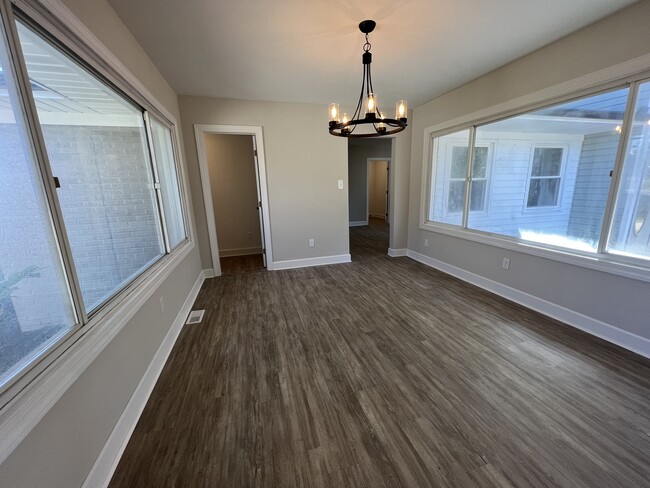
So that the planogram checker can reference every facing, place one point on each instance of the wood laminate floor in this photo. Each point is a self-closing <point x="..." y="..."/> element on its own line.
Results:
<point x="385" y="373"/>
<point x="252" y="263"/>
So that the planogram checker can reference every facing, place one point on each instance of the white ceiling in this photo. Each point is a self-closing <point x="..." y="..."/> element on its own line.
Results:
<point x="310" y="50"/>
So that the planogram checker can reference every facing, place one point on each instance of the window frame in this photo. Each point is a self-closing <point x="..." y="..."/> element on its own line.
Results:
<point x="624" y="75"/>
<point x="30" y="392"/>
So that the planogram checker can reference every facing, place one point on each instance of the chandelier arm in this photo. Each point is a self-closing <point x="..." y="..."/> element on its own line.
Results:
<point x="357" y="111"/>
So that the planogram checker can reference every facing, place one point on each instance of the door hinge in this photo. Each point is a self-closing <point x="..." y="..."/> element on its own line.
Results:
<point x="57" y="183"/>
<point x="255" y="152"/>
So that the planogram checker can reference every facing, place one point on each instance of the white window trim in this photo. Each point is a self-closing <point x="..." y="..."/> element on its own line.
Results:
<point x="28" y="400"/>
<point x="611" y="77"/>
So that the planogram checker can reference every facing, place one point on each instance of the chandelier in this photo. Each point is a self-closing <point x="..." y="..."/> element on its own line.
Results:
<point x="375" y="122"/>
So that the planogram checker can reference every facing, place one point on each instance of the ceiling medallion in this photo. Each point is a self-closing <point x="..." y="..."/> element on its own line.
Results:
<point x="376" y="123"/>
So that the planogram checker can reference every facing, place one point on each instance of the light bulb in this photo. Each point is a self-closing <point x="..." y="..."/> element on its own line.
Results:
<point x="401" y="109"/>
<point x="345" y="119"/>
<point x="372" y="104"/>
<point x="333" y="110"/>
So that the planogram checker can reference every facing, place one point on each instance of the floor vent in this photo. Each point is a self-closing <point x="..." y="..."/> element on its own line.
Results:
<point x="196" y="316"/>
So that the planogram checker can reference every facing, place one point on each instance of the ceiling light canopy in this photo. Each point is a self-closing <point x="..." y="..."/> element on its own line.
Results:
<point x="375" y="123"/>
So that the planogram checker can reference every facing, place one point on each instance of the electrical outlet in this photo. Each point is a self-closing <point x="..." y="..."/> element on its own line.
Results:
<point x="426" y="242"/>
<point x="505" y="263"/>
<point x="162" y="305"/>
<point x="312" y="242"/>
<point x="340" y="184"/>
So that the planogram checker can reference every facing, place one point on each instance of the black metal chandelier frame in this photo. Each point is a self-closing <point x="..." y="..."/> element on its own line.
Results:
<point x="382" y="125"/>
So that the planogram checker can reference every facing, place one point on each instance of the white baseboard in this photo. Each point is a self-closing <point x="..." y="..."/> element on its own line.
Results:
<point x="397" y="253"/>
<point x="105" y="465"/>
<point x="244" y="251"/>
<point x="378" y="216"/>
<point x="208" y="273"/>
<point x="303" y="263"/>
<point x="608" y="332"/>
<point x="358" y="223"/>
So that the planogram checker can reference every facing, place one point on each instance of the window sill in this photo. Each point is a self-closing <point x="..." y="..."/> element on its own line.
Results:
<point x="28" y="400"/>
<point x="595" y="262"/>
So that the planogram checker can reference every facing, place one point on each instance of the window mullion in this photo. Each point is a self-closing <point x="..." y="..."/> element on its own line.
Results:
<point x="156" y="179"/>
<point x="615" y="182"/>
<point x="468" y="178"/>
<point x="37" y="145"/>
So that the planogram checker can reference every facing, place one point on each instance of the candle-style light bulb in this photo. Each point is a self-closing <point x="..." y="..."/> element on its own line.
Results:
<point x="333" y="111"/>
<point x="381" y="127"/>
<point x="344" y="121"/>
<point x="401" y="109"/>
<point x="371" y="105"/>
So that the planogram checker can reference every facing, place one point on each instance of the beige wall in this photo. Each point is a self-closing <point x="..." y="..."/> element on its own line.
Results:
<point x="615" y="300"/>
<point x="377" y="181"/>
<point x="62" y="448"/>
<point x="231" y="164"/>
<point x="303" y="164"/>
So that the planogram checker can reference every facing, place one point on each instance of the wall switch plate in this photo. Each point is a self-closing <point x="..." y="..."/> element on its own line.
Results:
<point x="506" y="263"/>
<point x="340" y="184"/>
<point x="426" y="242"/>
<point x="312" y="242"/>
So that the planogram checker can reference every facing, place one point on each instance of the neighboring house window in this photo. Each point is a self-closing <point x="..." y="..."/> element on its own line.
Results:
<point x="68" y="248"/>
<point x="545" y="176"/>
<point x="478" y="193"/>
<point x="457" y="174"/>
<point x="449" y="169"/>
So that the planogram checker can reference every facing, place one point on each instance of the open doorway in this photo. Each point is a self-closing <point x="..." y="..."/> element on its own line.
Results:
<point x="233" y="178"/>
<point x="369" y="197"/>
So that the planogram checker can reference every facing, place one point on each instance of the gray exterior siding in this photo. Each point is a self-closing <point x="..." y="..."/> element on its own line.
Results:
<point x="107" y="201"/>
<point x="592" y="186"/>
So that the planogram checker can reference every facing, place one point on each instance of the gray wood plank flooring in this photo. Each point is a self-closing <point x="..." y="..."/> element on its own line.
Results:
<point x="386" y="373"/>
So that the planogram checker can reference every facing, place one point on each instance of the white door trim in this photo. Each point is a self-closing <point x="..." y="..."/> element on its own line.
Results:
<point x="246" y="130"/>
<point x="368" y="161"/>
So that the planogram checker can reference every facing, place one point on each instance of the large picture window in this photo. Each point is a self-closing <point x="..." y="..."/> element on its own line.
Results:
<point x="549" y="176"/>
<point x="97" y="148"/>
<point x="35" y="305"/>
<point x="89" y="196"/>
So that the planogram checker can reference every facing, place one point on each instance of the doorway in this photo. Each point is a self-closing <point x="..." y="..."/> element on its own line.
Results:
<point x="369" y="182"/>
<point x="233" y="177"/>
